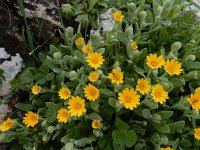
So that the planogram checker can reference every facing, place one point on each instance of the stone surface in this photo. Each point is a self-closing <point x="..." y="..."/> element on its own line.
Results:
<point x="107" y="22"/>
<point x="10" y="67"/>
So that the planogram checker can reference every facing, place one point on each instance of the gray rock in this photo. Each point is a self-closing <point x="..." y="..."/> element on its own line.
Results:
<point x="11" y="68"/>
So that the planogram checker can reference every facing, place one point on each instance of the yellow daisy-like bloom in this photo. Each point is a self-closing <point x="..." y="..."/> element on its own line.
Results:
<point x="154" y="61"/>
<point x="95" y="59"/>
<point x="91" y="92"/>
<point x="31" y="119"/>
<point x="63" y="115"/>
<point x="167" y="148"/>
<point x="64" y="93"/>
<point x="173" y="67"/>
<point x="143" y="86"/>
<point x="197" y="90"/>
<point x="94" y="76"/>
<point x="134" y="45"/>
<point x="79" y="41"/>
<point x="116" y="76"/>
<point x="36" y="89"/>
<point x="129" y="98"/>
<point x="159" y="94"/>
<point x="76" y="106"/>
<point x="197" y="133"/>
<point x="117" y="15"/>
<point x="96" y="124"/>
<point x="87" y="48"/>
<point x="6" y="125"/>
<point x="194" y="100"/>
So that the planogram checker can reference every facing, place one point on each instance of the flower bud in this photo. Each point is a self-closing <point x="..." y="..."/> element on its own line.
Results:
<point x="190" y="58"/>
<point x="132" y="8"/>
<point x="129" y="32"/>
<point x="73" y="75"/>
<point x="45" y="138"/>
<point x="51" y="129"/>
<point x="43" y="123"/>
<point x="69" y="32"/>
<point x="184" y="5"/>
<point x="165" y="85"/>
<point x="175" y="47"/>
<point x="157" y="10"/>
<point x="67" y="10"/>
<point x="142" y="15"/>
<point x="57" y="55"/>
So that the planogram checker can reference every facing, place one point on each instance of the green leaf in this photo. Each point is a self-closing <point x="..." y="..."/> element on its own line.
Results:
<point x="102" y="142"/>
<point x="150" y="104"/>
<point x="192" y="65"/>
<point x="94" y="116"/>
<point x="107" y="92"/>
<point x="127" y="137"/>
<point x="121" y="36"/>
<point x="185" y="143"/>
<point x="91" y="4"/>
<point x="163" y="127"/>
<point x="121" y="124"/>
<point x="166" y="114"/>
<point x="146" y="114"/>
<point x="23" y="106"/>
<point x="112" y="102"/>
<point x="177" y="126"/>
<point x="178" y="82"/>
<point x="95" y="105"/>
<point x="52" y="108"/>
<point x="82" y="142"/>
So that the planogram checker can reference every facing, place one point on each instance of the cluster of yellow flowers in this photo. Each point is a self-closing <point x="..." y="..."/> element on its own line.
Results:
<point x="128" y="97"/>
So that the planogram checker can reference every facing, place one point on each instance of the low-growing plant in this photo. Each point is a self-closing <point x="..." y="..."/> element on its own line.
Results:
<point x="135" y="87"/>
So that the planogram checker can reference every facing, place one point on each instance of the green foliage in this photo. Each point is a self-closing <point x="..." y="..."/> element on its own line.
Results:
<point x="156" y="27"/>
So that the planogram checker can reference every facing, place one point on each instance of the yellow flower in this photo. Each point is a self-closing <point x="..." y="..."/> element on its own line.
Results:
<point x="143" y="86"/>
<point x="197" y="133"/>
<point x="64" y="93"/>
<point x="118" y="16"/>
<point x="167" y="148"/>
<point x="159" y="94"/>
<point x="36" y="89"/>
<point x="79" y="41"/>
<point x="93" y="76"/>
<point x="91" y="92"/>
<point x="31" y="119"/>
<point x="87" y="48"/>
<point x="129" y="98"/>
<point x="95" y="59"/>
<point x="6" y="125"/>
<point x="173" y="67"/>
<point x="63" y="115"/>
<point x="197" y="90"/>
<point x="116" y="76"/>
<point x="76" y="106"/>
<point x="134" y="45"/>
<point x="194" y="100"/>
<point x="96" y="124"/>
<point x="155" y="62"/>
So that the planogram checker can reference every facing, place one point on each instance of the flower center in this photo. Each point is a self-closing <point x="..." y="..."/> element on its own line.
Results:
<point x="128" y="99"/>
<point x="158" y="94"/>
<point x="116" y="76"/>
<point x="66" y="93"/>
<point x="141" y="86"/>
<point x="93" y="92"/>
<point x="33" y="118"/>
<point x="77" y="106"/>
<point x="154" y="63"/>
<point x="95" y="60"/>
